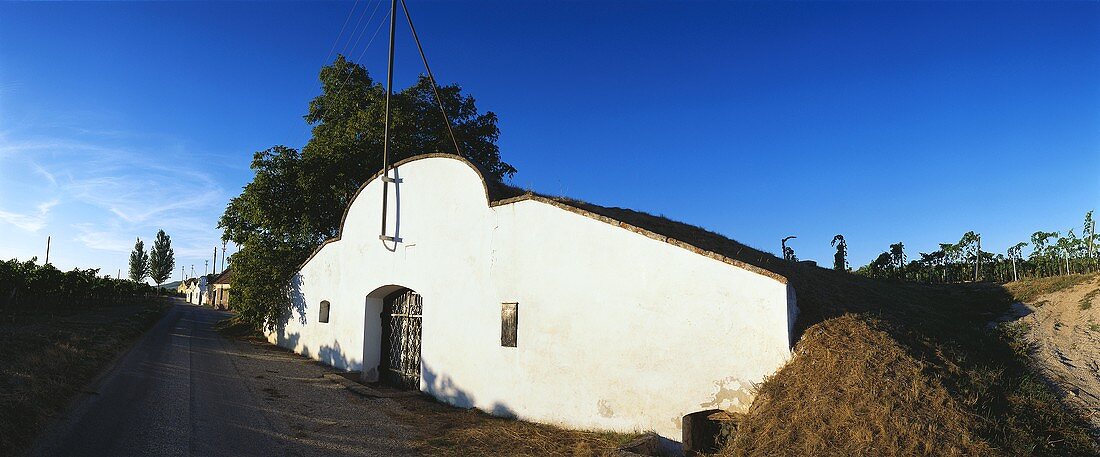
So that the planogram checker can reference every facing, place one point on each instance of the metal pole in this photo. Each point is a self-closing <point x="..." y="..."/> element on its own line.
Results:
<point x="386" y="131"/>
<point x="48" y="250"/>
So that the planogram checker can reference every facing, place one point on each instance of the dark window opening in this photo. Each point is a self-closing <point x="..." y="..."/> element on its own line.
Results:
<point x="509" y="324"/>
<point x="324" y="312"/>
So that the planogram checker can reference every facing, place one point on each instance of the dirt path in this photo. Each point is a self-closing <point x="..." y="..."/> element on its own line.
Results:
<point x="185" y="390"/>
<point x="1067" y="345"/>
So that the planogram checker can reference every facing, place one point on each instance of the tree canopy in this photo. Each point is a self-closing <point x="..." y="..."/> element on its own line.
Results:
<point x="297" y="198"/>
<point x="162" y="259"/>
<point x="139" y="262"/>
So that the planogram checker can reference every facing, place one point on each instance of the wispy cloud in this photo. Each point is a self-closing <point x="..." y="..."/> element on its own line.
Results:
<point x="32" y="222"/>
<point x="114" y="187"/>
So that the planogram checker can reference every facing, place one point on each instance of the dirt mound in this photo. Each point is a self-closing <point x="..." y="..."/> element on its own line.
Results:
<point x="1063" y="332"/>
<point x="853" y="390"/>
<point x="893" y="368"/>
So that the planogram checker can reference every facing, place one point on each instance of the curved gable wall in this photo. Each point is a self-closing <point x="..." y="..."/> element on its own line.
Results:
<point x="617" y="330"/>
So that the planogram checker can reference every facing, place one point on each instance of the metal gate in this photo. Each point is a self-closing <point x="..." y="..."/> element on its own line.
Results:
<point x="401" y="318"/>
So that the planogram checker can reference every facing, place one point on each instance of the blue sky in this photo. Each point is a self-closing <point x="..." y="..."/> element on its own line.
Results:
<point x="910" y="122"/>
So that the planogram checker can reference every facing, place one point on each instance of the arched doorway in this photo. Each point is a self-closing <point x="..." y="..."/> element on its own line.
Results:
<point x="400" y="346"/>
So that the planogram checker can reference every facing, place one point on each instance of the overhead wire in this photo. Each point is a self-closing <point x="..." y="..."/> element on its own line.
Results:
<point x="431" y="78"/>
<point x="341" y="34"/>
<point x="365" y="26"/>
<point x="344" y="50"/>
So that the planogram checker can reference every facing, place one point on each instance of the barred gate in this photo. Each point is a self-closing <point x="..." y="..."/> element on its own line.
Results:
<point x="401" y="319"/>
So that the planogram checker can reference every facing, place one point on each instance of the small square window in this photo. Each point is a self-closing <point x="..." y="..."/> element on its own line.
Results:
<point x="509" y="324"/>
<point x="324" y="312"/>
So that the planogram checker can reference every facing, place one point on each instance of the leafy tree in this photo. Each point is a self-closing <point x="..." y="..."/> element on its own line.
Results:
<point x="139" y="262"/>
<point x="788" y="252"/>
<point x="162" y="259"/>
<point x="1014" y="254"/>
<point x="297" y="198"/>
<point x="897" y="256"/>
<point x="1043" y="254"/>
<point x="840" y="259"/>
<point x="1089" y="232"/>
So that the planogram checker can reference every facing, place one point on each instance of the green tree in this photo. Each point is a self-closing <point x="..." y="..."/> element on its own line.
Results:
<point x="139" y="262"/>
<point x="840" y="259"/>
<point x="897" y="258"/>
<point x="162" y="259"/>
<point x="1014" y="254"/>
<point x="297" y="198"/>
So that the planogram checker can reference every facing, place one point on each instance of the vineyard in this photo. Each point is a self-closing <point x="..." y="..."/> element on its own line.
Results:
<point x="28" y="284"/>
<point x="1051" y="254"/>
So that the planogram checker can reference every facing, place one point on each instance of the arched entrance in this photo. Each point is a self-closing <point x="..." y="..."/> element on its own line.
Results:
<point x="400" y="346"/>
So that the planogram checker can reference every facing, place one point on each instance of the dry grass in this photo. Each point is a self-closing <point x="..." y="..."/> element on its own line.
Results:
<point x="442" y="430"/>
<point x="1028" y="290"/>
<point x="893" y="368"/>
<point x="858" y="393"/>
<point x="1086" y="301"/>
<point x="48" y="355"/>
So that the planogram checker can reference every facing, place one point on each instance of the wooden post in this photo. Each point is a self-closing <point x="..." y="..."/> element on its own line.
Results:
<point x="47" y="250"/>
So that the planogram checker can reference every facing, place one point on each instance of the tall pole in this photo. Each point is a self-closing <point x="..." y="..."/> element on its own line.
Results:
<point x="214" y="262"/>
<point x="48" y="250"/>
<point x="386" y="131"/>
<point x="224" y="243"/>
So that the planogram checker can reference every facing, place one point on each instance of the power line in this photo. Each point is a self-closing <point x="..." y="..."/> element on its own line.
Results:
<point x="376" y="30"/>
<point x="365" y="26"/>
<point x="341" y="34"/>
<point x="344" y="50"/>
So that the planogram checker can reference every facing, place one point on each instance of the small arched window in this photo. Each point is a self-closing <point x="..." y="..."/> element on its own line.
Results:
<point x="323" y="318"/>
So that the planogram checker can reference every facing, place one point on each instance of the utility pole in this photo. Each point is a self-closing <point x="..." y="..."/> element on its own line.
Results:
<point x="47" y="250"/>
<point x="214" y="262"/>
<point x="205" y="267"/>
<point x="192" y="270"/>
<point x="224" y="243"/>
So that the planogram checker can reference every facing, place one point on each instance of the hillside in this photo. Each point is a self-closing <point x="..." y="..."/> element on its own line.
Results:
<point x="892" y="368"/>
<point x="170" y="285"/>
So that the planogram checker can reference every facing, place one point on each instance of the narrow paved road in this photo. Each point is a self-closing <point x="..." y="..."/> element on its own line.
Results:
<point x="183" y="389"/>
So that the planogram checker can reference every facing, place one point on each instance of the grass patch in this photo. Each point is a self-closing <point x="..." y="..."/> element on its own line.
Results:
<point x="1030" y="289"/>
<point x="442" y="430"/>
<point x="48" y="354"/>
<point x="1086" y="301"/>
<point x="1094" y="327"/>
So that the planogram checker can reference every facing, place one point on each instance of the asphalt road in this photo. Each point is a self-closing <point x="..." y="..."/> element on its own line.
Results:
<point x="184" y="390"/>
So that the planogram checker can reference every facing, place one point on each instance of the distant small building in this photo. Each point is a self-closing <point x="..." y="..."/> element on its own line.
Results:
<point x="220" y="289"/>
<point x="183" y="287"/>
<point x="192" y="291"/>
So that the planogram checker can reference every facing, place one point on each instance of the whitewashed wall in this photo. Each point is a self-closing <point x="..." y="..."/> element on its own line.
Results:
<point x="617" y="331"/>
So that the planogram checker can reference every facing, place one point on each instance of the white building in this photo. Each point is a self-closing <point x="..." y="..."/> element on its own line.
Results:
<point x="549" y="310"/>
